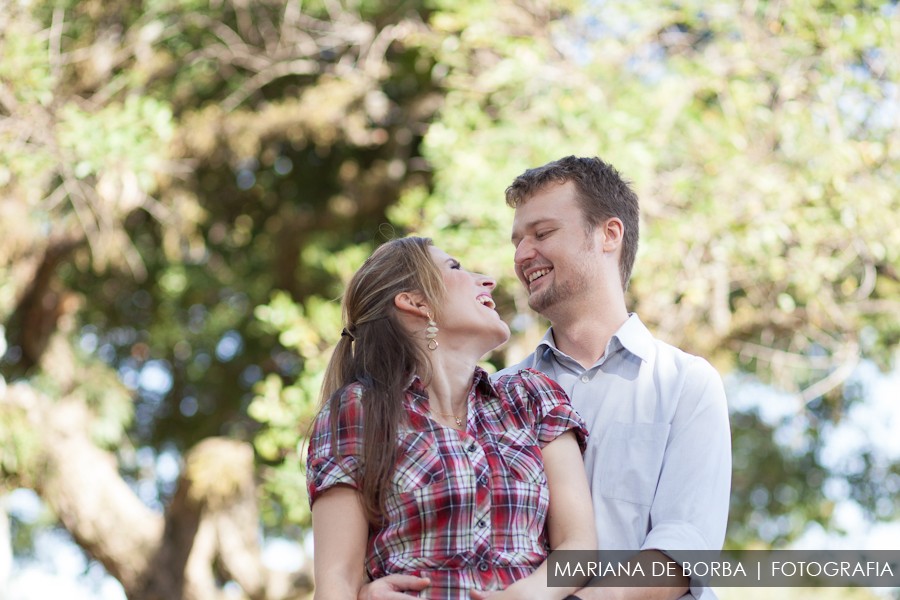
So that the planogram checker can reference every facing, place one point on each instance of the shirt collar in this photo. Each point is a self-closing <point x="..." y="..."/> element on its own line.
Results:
<point x="481" y="382"/>
<point x="633" y="336"/>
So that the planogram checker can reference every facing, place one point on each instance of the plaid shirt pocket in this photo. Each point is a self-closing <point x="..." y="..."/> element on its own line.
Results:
<point x="419" y="464"/>
<point x="519" y="451"/>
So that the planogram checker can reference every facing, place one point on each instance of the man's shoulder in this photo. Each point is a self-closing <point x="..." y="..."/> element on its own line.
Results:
<point x="697" y="380"/>
<point x="526" y="363"/>
<point x="681" y="359"/>
<point x="671" y="363"/>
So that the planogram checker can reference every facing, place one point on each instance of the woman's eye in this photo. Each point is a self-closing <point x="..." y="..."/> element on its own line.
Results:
<point x="455" y="265"/>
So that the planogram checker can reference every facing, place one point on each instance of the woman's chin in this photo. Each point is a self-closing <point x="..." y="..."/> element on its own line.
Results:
<point x="501" y="337"/>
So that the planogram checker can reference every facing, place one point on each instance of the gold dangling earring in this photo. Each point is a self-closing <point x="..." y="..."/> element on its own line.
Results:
<point x="431" y="334"/>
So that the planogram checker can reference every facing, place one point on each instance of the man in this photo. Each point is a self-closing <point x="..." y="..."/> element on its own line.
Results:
<point x="659" y="452"/>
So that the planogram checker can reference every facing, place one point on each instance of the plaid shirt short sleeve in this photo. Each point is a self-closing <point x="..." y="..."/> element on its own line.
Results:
<point x="468" y="508"/>
<point x="552" y="414"/>
<point x="331" y="460"/>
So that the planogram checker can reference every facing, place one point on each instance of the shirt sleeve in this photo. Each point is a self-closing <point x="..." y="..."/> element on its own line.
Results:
<point x="690" y="508"/>
<point x="553" y="413"/>
<point x="335" y="459"/>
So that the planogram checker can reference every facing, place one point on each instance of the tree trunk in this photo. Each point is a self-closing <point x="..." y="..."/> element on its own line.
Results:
<point x="210" y="531"/>
<point x="208" y="535"/>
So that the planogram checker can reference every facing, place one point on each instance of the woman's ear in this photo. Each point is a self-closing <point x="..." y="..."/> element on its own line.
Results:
<point x="411" y="303"/>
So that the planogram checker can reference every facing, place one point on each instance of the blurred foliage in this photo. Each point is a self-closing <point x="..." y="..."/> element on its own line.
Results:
<point x="210" y="174"/>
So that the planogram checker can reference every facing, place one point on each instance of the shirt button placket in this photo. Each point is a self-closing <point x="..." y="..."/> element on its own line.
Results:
<point x="481" y="516"/>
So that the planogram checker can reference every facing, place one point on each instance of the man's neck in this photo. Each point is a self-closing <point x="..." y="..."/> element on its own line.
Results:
<point x="585" y="338"/>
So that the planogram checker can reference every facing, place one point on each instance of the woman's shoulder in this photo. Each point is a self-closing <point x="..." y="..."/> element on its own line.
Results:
<point x="526" y="379"/>
<point x="349" y="395"/>
<point x="528" y="390"/>
<point x="339" y="423"/>
<point x="533" y="390"/>
<point x="346" y="404"/>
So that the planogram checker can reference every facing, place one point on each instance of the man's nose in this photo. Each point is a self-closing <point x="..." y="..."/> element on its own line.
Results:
<point x="524" y="253"/>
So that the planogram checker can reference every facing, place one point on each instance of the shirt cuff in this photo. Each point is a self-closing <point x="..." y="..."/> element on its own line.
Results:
<point x="681" y="535"/>
<point x="327" y="472"/>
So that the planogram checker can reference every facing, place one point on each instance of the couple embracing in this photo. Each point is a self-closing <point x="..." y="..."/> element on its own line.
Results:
<point x="429" y="478"/>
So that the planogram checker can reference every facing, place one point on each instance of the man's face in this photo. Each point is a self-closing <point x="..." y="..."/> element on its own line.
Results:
<point x="553" y="258"/>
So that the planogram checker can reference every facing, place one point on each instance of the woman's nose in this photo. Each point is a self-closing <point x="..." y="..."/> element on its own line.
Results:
<point x="488" y="282"/>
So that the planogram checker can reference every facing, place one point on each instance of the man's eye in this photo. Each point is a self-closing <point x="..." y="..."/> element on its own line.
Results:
<point x="542" y="234"/>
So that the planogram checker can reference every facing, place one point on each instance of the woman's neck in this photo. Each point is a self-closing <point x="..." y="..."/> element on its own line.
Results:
<point x="451" y="381"/>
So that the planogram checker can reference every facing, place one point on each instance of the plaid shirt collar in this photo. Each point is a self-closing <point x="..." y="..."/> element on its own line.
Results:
<point x="417" y="395"/>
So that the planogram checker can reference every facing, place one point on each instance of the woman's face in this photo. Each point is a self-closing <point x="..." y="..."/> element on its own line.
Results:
<point x="468" y="311"/>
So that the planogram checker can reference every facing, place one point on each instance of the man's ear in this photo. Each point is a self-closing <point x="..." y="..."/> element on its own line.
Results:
<point x="613" y="232"/>
<point x="411" y="303"/>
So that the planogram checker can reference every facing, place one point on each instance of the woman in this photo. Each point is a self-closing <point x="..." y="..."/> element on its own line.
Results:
<point x="417" y="463"/>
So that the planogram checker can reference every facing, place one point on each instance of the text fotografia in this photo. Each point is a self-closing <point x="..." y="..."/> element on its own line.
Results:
<point x="757" y="568"/>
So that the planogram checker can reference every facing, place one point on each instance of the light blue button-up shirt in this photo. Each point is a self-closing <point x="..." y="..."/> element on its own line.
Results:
<point x="658" y="457"/>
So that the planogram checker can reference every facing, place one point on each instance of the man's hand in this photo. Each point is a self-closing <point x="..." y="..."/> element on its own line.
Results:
<point x="392" y="587"/>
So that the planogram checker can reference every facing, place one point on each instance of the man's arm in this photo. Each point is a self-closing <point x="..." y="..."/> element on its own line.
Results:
<point x="690" y="507"/>
<point x="613" y="587"/>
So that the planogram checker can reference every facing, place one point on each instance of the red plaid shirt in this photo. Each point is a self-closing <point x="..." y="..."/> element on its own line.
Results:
<point x="468" y="508"/>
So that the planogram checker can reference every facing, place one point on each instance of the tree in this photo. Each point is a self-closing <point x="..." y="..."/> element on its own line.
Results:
<point x="186" y="186"/>
<point x="145" y="149"/>
<point x="762" y="140"/>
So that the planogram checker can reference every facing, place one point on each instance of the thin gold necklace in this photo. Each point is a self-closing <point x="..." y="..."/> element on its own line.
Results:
<point x="458" y="420"/>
